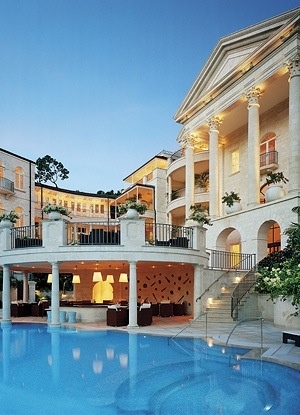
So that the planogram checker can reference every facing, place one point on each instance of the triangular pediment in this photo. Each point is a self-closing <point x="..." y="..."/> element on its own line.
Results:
<point x="232" y="53"/>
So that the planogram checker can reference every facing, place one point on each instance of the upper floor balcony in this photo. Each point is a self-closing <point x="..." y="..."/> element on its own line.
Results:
<point x="268" y="161"/>
<point x="6" y="186"/>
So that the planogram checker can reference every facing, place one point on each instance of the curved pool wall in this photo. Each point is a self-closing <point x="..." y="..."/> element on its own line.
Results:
<point x="66" y="371"/>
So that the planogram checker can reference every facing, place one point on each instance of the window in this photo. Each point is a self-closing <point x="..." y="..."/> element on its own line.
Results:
<point x="268" y="153"/>
<point x="102" y="209"/>
<point x="96" y="208"/>
<point x="78" y="207"/>
<point x="19" y="178"/>
<point x="235" y="161"/>
<point x="20" y="212"/>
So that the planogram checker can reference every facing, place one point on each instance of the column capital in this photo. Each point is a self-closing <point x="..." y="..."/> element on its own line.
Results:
<point x="188" y="140"/>
<point x="294" y="65"/>
<point x="253" y="96"/>
<point x="214" y="124"/>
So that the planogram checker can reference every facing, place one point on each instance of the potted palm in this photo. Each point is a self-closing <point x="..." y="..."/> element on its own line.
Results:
<point x="199" y="214"/>
<point x="232" y="202"/>
<point x="132" y="208"/>
<point x="8" y="219"/>
<point x="275" y="183"/>
<point x="55" y="212"/>
<point x="202" y="181"/>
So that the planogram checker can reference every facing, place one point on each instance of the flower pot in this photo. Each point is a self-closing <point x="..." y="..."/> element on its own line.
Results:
<point x="236" y="207"/>
<point x="132" y="214"/>
<point x="5" y="223"/>
<point x="274" y="192"/>
<point x="54" y="215"/>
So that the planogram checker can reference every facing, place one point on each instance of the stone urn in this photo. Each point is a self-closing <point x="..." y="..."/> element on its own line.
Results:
<point x="274" y="192"/>
<point x="6" y="223"/>
<point x="54" y="215"/>
<point x="132" y="214"/>
<point x="236" y="207"/>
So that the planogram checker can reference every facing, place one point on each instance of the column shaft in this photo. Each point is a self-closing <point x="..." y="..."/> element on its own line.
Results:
<point x="132" y="295"/>
<point x="189" y="176"/>
<point x="55" y="320"/>
<point x="6" y="315"/>
<point x="214" y="196"/>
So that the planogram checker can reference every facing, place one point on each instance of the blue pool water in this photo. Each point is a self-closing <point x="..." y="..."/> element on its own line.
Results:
<point x="69" y="372"/>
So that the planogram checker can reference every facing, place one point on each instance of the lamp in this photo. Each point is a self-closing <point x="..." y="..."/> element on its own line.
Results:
<point x="110" y="278"/>
<point x="49" y="279"/>
<point x="97" y="276"/>
<point x="76" y="279"/>
<point x="123" y="277"/>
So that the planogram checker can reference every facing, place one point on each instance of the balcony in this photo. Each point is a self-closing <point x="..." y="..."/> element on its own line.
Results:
<point x="6" y="187"/>
<point x="268" y="161"/>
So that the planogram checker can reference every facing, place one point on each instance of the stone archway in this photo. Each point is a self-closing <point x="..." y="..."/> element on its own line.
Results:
<point x="268" y="239"/>
<point x="228" y="238"/>
<point x="102" y="290"/>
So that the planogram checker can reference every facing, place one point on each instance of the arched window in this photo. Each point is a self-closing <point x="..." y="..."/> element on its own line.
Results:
<point x="20" y="212"/>
<point x="268" y="153"/>
<point x="19" y="178"/>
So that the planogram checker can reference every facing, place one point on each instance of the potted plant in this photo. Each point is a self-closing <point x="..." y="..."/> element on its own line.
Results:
<point x="7" y="219"/>
<point x="132" y="208"/>
<point x="202" y="180"/>
<point x="199" y="214"/>
<point x="275" y="181"/>
<point x="232" y="202"/>
<point x="55" y="211"/>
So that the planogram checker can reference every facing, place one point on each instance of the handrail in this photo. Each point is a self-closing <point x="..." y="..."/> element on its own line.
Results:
<point x="193" y="321"/>
<point x="242" y="321"/>
<point x="234" y="268"/>
<point x="238" y="293"/>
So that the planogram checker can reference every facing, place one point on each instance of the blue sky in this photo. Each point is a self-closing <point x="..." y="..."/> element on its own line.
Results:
<point x="96" y="83"/>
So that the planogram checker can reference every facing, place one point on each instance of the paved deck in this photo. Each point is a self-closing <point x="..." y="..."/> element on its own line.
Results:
<point x="264" y="340"/>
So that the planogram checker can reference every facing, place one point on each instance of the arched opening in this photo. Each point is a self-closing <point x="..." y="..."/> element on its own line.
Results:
<point x="102" y="291"/>
<point x="269" y="239"/>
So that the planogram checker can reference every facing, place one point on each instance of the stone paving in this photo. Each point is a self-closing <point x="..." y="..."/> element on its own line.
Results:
<point x="263" y="338"/>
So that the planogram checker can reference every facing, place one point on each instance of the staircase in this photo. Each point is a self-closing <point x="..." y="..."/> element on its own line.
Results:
<point x="219" y="309"/>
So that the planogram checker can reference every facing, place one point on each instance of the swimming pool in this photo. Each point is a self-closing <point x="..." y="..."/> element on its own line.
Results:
<point x="65" y="371"/>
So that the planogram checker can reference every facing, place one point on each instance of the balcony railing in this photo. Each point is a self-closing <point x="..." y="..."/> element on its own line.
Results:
<point x="26" y="236"/>
<point x="90" y="233"/>
<point x="231" y="260"/>
<point x="6" y="186"/>
<point x="161" y="234"/>
<point x="271" y="157"/>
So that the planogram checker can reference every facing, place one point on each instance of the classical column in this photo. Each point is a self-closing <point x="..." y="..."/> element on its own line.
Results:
<point x="294" y="125"/>
<point x="189" y="175"/>
<point x="55" y="320"/>
<point x="253" y="146"/>
<point x="214" y="196"/>
<point x="132" y="295"/>
<point x="198" y="288"/>
<point x="25" y="287"/>
<point x="6" y="316"/>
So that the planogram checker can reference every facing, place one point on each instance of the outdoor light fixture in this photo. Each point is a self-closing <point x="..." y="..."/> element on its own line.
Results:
<point x="123" y="277"/>
<point x="110" y="278"/>
<point x="97" y="276"/>
<point x="49" y="279"/>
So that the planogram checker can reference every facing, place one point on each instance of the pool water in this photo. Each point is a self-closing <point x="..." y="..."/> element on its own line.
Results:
<point x="65" y="371"/>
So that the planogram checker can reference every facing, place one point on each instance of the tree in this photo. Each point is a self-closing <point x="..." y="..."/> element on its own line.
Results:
<point x="50" y="170"/>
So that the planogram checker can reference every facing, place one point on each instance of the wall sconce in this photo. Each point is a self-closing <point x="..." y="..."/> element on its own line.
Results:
<point x="76" y="279"/>
<point x="123" y="277"/>
<point x="97" y="276"/>
<point x="110" y="278"/>
<point x="49" y="279"/>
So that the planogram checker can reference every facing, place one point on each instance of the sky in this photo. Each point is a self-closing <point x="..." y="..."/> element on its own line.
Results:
<point x="95" y="84"/>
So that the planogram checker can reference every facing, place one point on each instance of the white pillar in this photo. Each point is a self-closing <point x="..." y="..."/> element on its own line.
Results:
<point x="55" y="320"/>
<point x="132" y="295"/>
<point x="294" y="126"/>
<point x="253" y="146"/>
<point x="25" y="287"/>
<point x="31" y="287"/>
<point x="214" y="194"/>
<point x="198" y="289"/>
<point x="6" y="316"/>
<point x="189" y="175"/>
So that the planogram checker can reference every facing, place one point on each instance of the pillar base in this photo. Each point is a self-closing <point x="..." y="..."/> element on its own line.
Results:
<point x="132" y="326"/>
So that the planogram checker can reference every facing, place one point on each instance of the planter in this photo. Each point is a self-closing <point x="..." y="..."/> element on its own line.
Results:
<point x="236" y="207"/>
<point x="5" y="223"/>
<point x="54" y="215"/>
<point x="274" y="192"/>
<point x="132" y="214"/>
